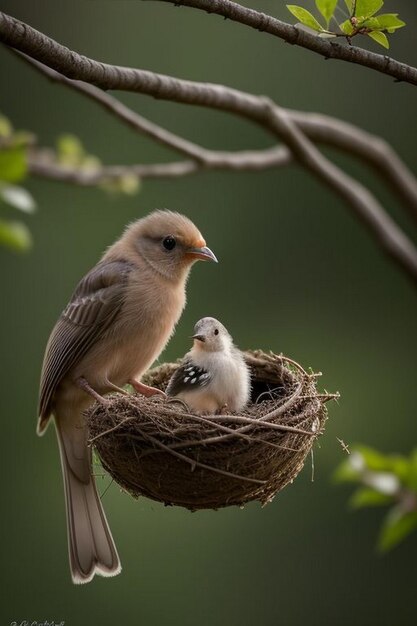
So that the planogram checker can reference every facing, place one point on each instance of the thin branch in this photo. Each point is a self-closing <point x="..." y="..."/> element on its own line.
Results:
<point x="299" y="37"/>
<point x="368" y="210"/>
<point x="322" y="128"/>
<point x="371" y="149"/>
<point x="258" y="109"/>
<point x="123" y="113"/>
<point x="41" y="163"/>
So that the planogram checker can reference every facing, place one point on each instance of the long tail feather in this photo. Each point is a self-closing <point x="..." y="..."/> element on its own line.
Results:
<point x="91" y="546"/>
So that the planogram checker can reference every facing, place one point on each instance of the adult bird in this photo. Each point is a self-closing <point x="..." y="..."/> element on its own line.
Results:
<point x="118" y="321"/>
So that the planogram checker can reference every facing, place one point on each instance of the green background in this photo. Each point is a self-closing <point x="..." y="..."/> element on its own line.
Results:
<point x="297" y="274"/>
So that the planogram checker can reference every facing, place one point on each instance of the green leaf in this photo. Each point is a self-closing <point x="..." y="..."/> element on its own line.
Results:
<point x="17" y="197"/>
<point x="371" y="23"/>
<point x="304" y="16"/>
<point x="389" y="22"/>
<point x="326" y="8"/>
<point x="346" y="473"/>
<point x="347" y="28"/>
<point x="70" y="150"/>
<point x="367" y="8"/>
<point x="379" y="37"/>
<point x="6" y="129"/>
<point x="377" y="462"/>
<point x="369" y="497"/>
<point x="411" y="478"/>
<point x="349" y="5"/>
<point x="397" y="526"/>
<point x="373" y="459"/>
<point x="128" y="184"/>
<point x="13" y="164"/>
<point x="15" y="235"/>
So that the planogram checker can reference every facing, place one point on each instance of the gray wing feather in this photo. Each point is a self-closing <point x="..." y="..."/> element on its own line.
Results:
<point x="92" y="308"/>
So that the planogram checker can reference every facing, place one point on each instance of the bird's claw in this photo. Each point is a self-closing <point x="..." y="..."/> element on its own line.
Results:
<point x="146" y="390"/>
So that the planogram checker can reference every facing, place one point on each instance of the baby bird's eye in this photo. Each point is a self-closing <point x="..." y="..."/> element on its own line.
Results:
<point x="169" y="242"/>
<point x="216" y="331"/>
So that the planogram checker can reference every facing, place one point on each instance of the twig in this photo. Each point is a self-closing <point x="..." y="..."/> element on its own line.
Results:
<point x="299" y="37"/>
<point x="44" y="166"/>
<point x="195" y="463"/>
<point x="240" y="419"/>
<point x="110" y="430"/>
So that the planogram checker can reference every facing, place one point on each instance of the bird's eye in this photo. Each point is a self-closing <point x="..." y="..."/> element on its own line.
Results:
<point x="169" y="242"/>
<point x="216" y="331"/>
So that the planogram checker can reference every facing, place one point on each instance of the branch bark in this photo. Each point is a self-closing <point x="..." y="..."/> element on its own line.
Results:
<point x="299" y="37"/>
<point x="41" y="163"/>
<point x="320" y="128"/>
<point x="260" y="110"/>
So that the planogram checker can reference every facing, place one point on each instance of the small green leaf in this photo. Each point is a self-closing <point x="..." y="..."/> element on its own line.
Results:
<point x="379" y="37"/>
<point x="397" y="526"/>
<point x="6" y="129"/>
<point x="13" y="165"/>
<point x="411" y="479"/>
<point x="17" y="197"/>
<point x="367" y="8"/>
<point x="371" y="23"/>
<point x="304" y="16"/>
<point x="368" y="497"/>
<point x="373" y="459"/>
<point x="128" y="184"/>
<point x="70" y="150"/>
<point x="15" y="235"/>
<point x="389" y="22"/>
<point x="326" y="8"/>
<point x="346" y="473"/>
<point x="347" y="28"/>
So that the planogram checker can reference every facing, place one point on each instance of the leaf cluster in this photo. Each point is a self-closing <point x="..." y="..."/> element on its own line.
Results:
<point x="363" y="19"/>
<point x="69" y="153"/>
<point x="385" y="480"/>
<point x="14" y="234"/>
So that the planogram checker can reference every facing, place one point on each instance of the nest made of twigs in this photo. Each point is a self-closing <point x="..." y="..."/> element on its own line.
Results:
<point x="156" y="448"/>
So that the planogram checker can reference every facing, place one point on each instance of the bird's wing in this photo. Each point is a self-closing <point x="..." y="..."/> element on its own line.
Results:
<point x="92" y="308"/>
<point x="188" y="377"/>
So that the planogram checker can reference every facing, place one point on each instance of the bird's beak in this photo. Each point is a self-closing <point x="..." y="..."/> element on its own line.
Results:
<point x="199" y="338"/>
<point x="204" y="253"/>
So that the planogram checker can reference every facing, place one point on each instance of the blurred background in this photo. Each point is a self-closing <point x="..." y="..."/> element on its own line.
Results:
<point x="297" y="274"/>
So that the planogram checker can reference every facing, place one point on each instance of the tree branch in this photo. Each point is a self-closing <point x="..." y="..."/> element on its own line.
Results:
<point x="258" y="109"/>
<point x="391" y="238"/>
<point x="299" y="37"/>
<point x="320" y="128"/>
<point x="41" y="163"/>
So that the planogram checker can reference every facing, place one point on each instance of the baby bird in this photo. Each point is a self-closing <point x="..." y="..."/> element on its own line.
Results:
<point x="214" y="375"/>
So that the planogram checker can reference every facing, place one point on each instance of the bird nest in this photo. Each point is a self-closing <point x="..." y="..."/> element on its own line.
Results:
<point x="157" y="448"/>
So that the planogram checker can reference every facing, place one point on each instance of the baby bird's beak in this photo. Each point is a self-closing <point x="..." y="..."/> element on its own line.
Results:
<point x="203" y="253"/>
<point x="199" y="338"/>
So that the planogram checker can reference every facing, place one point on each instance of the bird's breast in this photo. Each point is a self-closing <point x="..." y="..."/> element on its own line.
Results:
<point x="137" y="337"/>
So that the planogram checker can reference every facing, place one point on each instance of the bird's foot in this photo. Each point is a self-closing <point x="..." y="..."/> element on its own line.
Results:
<point x="145" y="390"/>
<point x="85" y="386"/>
<point x="116" y="388"/>
<point x="222" y="409"/>
<point x="179" y="401"/>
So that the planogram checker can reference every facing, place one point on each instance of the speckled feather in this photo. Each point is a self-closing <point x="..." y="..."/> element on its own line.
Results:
<point x="188" y="376"/>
